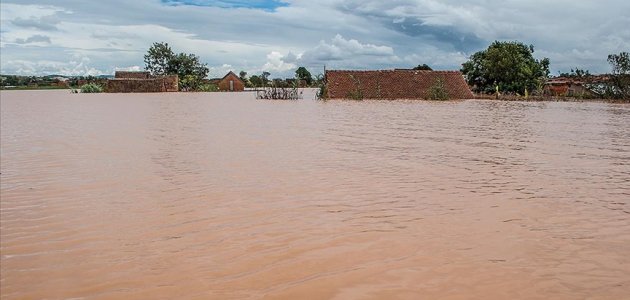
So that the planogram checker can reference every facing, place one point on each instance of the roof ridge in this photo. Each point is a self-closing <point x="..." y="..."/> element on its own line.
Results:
<point x="396" y="70"/>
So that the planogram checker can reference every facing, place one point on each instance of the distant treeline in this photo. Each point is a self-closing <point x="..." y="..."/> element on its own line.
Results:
<point x="48" y="81"/>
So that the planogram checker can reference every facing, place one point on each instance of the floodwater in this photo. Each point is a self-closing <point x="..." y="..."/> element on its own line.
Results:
<point x="221" y="196"/>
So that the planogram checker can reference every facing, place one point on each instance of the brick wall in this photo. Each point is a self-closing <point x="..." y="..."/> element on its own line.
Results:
<point x="394" y="84"/>
<point x="171" y="83"/>
<point x="130" y="74"/>
<point x="155" y="85"/>
<point x="150" y="85"/>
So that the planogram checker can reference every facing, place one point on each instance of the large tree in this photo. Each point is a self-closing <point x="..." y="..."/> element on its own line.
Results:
<point x="161" y="60"/>
<point x="189" y="69"/>
<point x="256" y="81"/>
<point x="303" y="74"/>
<point x="620" y="77"/>
<point x="508" y="66"/>
<point x="158" y="58"/>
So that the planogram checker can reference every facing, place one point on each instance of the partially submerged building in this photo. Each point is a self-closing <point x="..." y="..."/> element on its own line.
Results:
<point x="231" y="83"/>
<point x="141" y="82"/>
<point x="395" y="84"/>
<point x="574" y="86"/>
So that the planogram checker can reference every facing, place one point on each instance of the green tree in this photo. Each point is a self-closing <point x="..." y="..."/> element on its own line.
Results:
<point x="158" y="58"/>
<point x="423" y="67"/>
<point x="265" y="77"/>
<point x="620" y="77"/>
<point x="189" y="69"/>
<point x="303" y="74"/>
<point x="577" y="73"/>
<point x="256" y="81"/>
<point x="508" y="66"/>
<point x="243" y="76"/>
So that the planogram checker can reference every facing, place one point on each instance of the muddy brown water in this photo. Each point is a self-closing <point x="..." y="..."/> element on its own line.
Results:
<point x="221" y="196"/>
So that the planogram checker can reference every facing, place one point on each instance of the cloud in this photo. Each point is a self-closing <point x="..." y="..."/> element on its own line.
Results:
<point x="340" y="49"/>
<point x="129" y="69"/>
<point x="276" y="63"/>
<point x="76" y="66"/>
<point x="48" y="23"/>
<point x="366" y="34"/>
<point x="38" y="38"/>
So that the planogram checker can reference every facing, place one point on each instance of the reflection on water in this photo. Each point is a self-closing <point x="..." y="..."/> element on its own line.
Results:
<point x="223" y="196"/>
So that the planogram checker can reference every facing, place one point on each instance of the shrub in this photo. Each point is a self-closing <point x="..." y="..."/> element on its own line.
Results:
<point x="357" y="93"/>
<point x="91" y="88"/>
<point x="208" y="87"/>
<point x="279" y="93"/>
<point x="438" y="91"/>
<point x="322" y="93"/>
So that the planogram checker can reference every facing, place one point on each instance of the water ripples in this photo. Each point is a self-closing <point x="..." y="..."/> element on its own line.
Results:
<point x="223" y="196"/>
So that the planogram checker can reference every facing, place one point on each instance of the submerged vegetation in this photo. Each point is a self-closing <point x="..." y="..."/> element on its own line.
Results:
<point x="357" y="92"/>
<point x="505" y="67"/>
<point x="161" y="60"/>
<point x="438" y="91"/>
<point x="91" y="88"/>
<point x="279" y="93"/>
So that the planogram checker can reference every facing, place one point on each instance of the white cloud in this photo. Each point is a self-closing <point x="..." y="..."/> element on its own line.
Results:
<point x="74" y="67"/>
<point x="366" y="33"/>
<point x="129" y="69"/>
<point x="275" y="63"/>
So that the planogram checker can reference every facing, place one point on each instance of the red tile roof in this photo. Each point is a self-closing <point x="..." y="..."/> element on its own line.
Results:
<point x="394" y="84"/>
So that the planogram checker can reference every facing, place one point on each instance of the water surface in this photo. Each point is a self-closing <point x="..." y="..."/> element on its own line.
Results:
<point x="221" y="196"/>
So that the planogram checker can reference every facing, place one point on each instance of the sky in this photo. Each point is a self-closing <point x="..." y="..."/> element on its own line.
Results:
<point x="79" y="37"/>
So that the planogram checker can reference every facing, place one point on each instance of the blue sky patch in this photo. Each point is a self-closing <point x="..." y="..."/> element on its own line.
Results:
<point x="268" y="5"/>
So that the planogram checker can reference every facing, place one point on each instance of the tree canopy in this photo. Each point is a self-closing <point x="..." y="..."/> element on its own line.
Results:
<point x="161" y="60"/>
<point x="423" y="67"/>
<point x="620" y="77"/>
<point x="510" y="66"/>
<point x="158" y="58"/>
<point x="303" y="74"/>
<point x="256" y="81"/>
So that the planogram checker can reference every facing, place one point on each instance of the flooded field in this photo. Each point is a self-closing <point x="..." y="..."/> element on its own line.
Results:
<point x="221" y="196"/>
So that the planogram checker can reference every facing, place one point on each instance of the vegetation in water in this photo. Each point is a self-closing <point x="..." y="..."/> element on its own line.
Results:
<point x="161" y="60"/>
<point x="357" y="92"/>
<point x="279" y="93"/>
<point x="303" y="74"/>
<point x="619" y="85"/>
<point x="506" y="66"/>
<point x="208" y="87"/>
<point x="91" y="88"/>
<point x="437" y="91"/>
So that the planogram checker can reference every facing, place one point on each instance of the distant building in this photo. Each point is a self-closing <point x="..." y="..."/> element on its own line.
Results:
<point x="572" y="87"/>
<point x="231" y="83"/>
<point x="141" y="82"/>
<point x="394" y="84"/>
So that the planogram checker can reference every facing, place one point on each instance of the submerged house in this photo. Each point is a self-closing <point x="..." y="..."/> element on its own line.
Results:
<point x="141" y="82"/>
<point x="395" y="84"/>
<point x="573" y="87"/>
<point x="231" y="83"/>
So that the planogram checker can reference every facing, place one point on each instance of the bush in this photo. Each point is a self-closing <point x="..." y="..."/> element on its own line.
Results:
<point x="277" y="93"/>
<point x="357" y="93"/>
<point x="91" y="88"/>
<point x="438" y="91"/>
<point x="208" y="87"/>
<point x="322" y="93"/>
